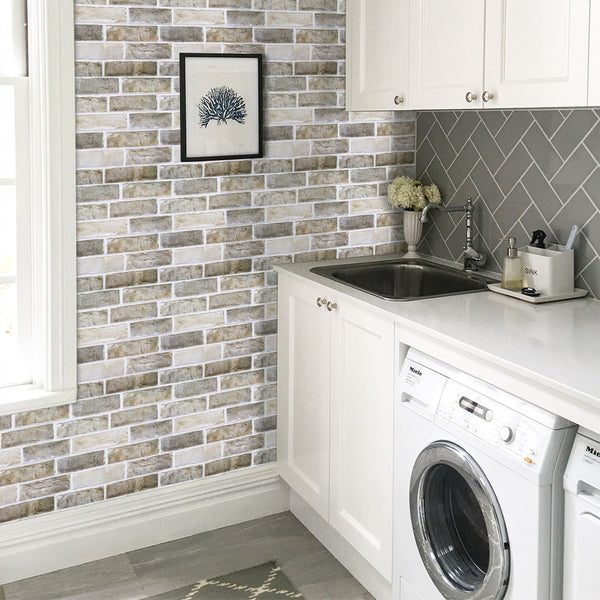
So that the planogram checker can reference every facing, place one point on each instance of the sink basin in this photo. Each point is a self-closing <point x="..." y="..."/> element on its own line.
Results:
<point x="405" y="278"/>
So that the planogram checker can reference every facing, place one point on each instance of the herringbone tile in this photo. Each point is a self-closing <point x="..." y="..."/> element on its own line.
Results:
<point x="575" y="128"/>
<point x="526" y="169"/>
<point x="542" y="151"/>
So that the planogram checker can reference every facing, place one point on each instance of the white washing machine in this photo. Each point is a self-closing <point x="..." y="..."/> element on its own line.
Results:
<point x="582" y="518"/>
<point x="478" y="510"/>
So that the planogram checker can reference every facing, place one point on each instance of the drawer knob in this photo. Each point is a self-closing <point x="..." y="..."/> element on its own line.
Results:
<point x="470" y="97"/>
<point x="398" y="100"/>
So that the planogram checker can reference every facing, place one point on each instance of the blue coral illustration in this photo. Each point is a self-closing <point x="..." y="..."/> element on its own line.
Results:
<point x="222" y="104"/>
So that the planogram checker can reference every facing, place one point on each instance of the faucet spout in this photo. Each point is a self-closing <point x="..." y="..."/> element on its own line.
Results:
<point x="448" y="209"/>
<point x="425" y="213"/>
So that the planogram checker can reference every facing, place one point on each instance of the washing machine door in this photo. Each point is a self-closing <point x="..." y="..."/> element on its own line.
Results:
<point x="458" y="525"/>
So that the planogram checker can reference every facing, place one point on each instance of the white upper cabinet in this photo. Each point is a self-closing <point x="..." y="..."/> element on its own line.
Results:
<point x="446" y="53"/>
<point x="498" y="53"/>
<point x="536" y="53"/>
<point x="436" y="54"/>
<point x="594" y="81"/>
<point x="377" y="54"/>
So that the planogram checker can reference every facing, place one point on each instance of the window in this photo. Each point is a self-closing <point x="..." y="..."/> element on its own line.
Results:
<point x="15" y="287"/>
<point x="37" y="205"/>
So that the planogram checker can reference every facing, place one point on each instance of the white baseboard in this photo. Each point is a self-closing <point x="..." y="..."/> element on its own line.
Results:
<point x="74" y="536"/>
<point x="358" y="566"/>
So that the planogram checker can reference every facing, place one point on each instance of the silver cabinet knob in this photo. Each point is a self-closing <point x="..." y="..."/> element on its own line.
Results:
<point x="321" y="302"/>
<point x="398" y="100"/>
<point x="331" y="306"/>
<point x="470" y="97"/>
<point x="487" y="96"/>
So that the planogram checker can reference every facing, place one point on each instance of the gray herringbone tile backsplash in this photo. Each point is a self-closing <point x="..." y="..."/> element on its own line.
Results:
<point x="528" y="170"/>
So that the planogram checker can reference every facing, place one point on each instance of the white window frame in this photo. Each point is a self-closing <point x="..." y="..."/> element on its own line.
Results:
<point x="52" y="211"/>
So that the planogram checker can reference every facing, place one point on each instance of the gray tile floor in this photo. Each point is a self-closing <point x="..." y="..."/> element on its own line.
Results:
<point x="160" y="569"/>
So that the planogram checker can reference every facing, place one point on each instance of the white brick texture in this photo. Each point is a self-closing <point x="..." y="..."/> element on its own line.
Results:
<point x="177" y="295"/>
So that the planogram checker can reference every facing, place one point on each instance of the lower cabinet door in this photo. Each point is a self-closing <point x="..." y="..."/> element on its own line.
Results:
<point x="362" y="358"/>
<point x="303" y="392"/>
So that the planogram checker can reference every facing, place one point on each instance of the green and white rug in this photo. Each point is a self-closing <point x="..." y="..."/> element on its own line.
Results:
<point x="263" y="582"/>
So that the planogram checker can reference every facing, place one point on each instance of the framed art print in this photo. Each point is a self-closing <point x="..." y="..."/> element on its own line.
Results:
<point x="221" y="106"/>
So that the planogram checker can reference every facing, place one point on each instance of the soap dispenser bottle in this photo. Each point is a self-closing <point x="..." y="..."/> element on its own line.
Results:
<point x="512" y="273"/>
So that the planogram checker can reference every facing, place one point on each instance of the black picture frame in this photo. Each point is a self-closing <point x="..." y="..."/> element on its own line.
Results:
<point x="221" y="106"/>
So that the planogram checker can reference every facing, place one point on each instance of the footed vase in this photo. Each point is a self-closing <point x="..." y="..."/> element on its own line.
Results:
<point x="413" y="229"/>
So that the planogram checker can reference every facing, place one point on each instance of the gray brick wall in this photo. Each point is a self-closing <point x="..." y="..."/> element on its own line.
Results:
<point x="537" y="169"/>
<point x="177" y="296"/>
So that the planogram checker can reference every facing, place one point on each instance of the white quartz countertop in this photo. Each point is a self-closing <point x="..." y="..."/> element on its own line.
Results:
<point x="555" y="345"/>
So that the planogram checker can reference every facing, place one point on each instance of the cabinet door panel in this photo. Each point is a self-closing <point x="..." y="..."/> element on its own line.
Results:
<point x="377" y="54"/>
<point x="303" y="393"/>
<point x="536" y="55"/>
<point x="594" y="70"/>
<point x="446" y="53"/>
<point x="362" y="433"/>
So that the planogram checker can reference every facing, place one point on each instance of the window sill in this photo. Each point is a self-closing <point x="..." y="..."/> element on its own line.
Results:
<point x="25" y="398"/>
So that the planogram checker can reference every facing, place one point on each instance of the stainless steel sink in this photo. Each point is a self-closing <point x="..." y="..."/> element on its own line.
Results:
<point x="405" y="278"/>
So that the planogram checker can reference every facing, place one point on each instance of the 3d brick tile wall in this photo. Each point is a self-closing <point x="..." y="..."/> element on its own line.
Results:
<point x="177" y="296"/>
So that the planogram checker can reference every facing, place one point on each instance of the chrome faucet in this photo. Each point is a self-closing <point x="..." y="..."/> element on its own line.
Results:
<point x="472" y="258"/>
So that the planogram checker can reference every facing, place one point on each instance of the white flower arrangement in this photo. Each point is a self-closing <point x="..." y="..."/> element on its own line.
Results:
<point x="410" y="194"/>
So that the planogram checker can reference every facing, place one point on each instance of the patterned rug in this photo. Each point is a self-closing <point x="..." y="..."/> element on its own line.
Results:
<point x="263" y="582"/>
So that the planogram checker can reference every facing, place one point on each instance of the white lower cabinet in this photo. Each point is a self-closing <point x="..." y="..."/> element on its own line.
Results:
<point x="335" y="409"/>
<point x="361" y="449"/>
<point x="303" y="391"/>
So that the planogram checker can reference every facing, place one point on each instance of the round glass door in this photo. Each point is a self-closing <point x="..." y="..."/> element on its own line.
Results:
<point x="458" y="525"/>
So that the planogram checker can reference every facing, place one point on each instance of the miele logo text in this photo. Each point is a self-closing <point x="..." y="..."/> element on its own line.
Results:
<point x="415" y="371"/>
<point x="592" y="451"/>
<point x="530" y="271"/>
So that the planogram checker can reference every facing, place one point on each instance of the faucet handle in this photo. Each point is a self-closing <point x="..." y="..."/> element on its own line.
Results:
<point x="471" y="252"/>
<point x="473" y="257"/>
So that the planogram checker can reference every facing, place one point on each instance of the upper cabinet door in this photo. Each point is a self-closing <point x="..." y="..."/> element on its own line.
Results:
<point x="446" y="53"/>
<point x="594" y="81"/>
<point x="377" y="55"/>
<point x="536" y="53"/>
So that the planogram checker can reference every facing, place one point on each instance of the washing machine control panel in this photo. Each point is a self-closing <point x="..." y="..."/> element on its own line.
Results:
<point x="503" y="428"/>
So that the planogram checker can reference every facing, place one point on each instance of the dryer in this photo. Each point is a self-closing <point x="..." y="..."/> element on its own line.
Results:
<point x="582" y="518"/>
<point x="478" y="489"/>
